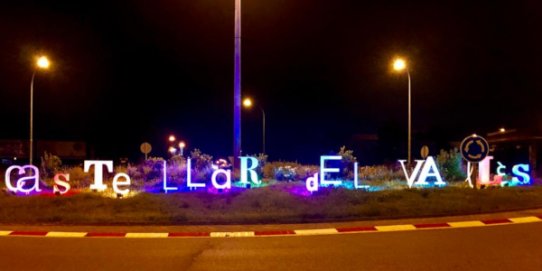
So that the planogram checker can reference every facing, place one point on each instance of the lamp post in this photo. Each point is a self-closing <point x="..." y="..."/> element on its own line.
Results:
<point x="237" y="85"/>
<point x="400" y="65"/>
<point x="181" y="147"/>
<point x="247" y="103"/>
<point x="41" y="63"/>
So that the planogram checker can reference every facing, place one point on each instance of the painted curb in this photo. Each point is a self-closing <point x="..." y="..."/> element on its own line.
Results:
<point x="272" y="233"/>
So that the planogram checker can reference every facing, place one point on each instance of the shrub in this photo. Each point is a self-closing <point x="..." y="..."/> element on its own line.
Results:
<point x="50" y="164"/>
<point x="79" y="179"/>
<point x="347" y="163"/>
<point x="450" y="165"/>
<point x="380" y="173"/>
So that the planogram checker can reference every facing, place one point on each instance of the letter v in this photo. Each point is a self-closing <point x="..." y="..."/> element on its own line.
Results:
<point x="411" y="178"/>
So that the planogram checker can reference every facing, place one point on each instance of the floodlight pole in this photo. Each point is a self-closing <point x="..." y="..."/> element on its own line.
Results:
<point x="31" y="143"/>
<point x="237" y="86"/>
<point x="409" y="121"/>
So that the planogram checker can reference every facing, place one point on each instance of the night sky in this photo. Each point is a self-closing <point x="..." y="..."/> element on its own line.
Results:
<point x="125" y="72"/>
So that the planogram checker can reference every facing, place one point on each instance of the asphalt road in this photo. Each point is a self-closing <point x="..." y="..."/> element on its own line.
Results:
<point x="510" y="247"/>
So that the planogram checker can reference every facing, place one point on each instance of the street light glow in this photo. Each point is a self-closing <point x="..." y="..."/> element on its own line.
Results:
<point x="182" y="144"/>
<point x="399" y="64"/>
<point x="502" y="130"/>
<point x="43" y="62"/>
<point x="247" y="102"/>
<point x="172" y="150"/>
<point x="171" y="138"/>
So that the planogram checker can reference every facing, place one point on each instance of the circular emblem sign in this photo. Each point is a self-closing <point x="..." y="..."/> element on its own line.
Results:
<point x="474" y="148"/>
<point x="145" y="148"/>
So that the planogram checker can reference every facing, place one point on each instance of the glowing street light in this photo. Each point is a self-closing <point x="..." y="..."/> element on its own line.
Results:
<point x="400" y="65"/>
<point x="247" y="103"/>
<point x="172" y="150"/>
<point x="42" y="63"/>
<point x="171" y="138"/>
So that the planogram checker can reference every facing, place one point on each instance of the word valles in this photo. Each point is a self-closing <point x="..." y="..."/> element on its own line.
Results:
<point x="28" y="181"/>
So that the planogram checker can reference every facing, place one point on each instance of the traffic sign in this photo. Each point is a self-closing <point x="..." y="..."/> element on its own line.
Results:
<point x="145" y="148"/>
<point x="424" y="152"/>
<point x="474" y="148"/>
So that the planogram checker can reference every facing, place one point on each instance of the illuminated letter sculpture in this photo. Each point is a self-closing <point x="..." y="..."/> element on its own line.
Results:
<point x="312" y="183"/>
<point x="245" y="169"/>
<point x="98" y="173"/>
<point x="226" y="185"/>
<point x="189" y="176"/>
<point x="324" y="170"/>
<point x="62" y="183"/>
<point x="21" y="182"/>
<point x="116" y="183"/>
<point x="410" y="179"/>
<point x="521" y="170"/>
<point x="164" y="178"/>
<point x="428" y="169"/>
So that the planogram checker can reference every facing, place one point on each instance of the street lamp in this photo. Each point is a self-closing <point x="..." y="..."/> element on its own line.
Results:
<point x="247" y="103"/>
<point x="400" y="65"/>
<point x="42" y="63"/>
<point x="181" y="147"/>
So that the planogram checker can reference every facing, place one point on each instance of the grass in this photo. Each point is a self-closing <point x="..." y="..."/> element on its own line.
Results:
<point x="274" y="204"/>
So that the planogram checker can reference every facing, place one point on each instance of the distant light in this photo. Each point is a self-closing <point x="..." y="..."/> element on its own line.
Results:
<point x="182" y="144"/>
<point x="474" y="135"/>
<point x="43" y="62"/>
<point x="172" y="150"/>
<point x="399" y="64"/>
<point x="502" y="130"/>
<point x="247" y="102"/>
<point x="171" y="138"/>
<point x="15" y="158"/>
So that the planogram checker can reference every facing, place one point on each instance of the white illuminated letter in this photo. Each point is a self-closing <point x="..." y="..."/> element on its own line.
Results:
<point x="62" y="183"/>
<point x="19" y="186"/>
<point x="7" y="178"/>
<point x="226" y="185"/>
<point x="189" y="176"/>
<point x="484" y="170"/>
<point x="470" y="169"/>
<point x="312" y="183"/>
<point x="324" y="170"/>
<point x="98" y="173"/>
<point x="164" y="176"/>
<point x="410" y="179"/>
<point x="116" y="183"/>
<point x="516" y="170"/>
<point x="357" y="185"/>
<point x="430" y="170"/>
<point x="245" y="169"/>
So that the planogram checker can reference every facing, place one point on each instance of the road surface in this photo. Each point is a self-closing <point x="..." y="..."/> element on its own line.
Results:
<point x="506" y="247"/>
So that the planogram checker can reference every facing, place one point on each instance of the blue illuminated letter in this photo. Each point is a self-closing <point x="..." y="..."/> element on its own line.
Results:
<point x="521" y="170"/>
